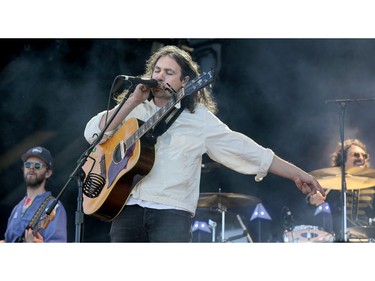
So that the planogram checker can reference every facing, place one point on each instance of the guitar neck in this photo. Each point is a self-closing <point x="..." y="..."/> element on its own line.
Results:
<point x="192" y="87"/>
<point x="155" y="119"/>
<point x="37" y="228"/>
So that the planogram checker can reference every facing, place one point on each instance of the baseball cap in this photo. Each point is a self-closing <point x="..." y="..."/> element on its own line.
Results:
<point x="40" y="152"/>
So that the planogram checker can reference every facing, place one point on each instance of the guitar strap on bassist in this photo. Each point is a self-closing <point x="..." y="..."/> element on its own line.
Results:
<point x="36" y="217"/>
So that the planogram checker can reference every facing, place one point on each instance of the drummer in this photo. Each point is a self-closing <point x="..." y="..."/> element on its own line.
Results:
<point x="359" y="202"/>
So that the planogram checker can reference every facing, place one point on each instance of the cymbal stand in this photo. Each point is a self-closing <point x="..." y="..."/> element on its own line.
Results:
<point x="222" y="209"/>
<point x="343" y="181"/>
<point x="212" y="225"/>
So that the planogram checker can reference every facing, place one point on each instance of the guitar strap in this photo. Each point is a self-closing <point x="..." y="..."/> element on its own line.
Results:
<point x="34" y="220"/>
<point x="167" y="121"/>
<point x="38" y="213"/>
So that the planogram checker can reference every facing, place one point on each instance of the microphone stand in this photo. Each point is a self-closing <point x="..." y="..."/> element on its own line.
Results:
<point x="342" y="166"/>
<point x="342" y="103"/>
<point x="79" y="174"/>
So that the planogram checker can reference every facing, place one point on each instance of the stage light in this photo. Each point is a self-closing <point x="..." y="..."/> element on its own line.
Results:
<point x="201" y="225"/>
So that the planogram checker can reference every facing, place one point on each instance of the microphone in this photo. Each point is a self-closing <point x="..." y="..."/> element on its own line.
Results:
<point x="244" y="229"/>
<point x="149" y="82"/>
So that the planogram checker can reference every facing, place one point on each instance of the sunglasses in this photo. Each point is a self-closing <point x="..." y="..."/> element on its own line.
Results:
<point x="357" y="155"/>
<point x="35" y="165"/>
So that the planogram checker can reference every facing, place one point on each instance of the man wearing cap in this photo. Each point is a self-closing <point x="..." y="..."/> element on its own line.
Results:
<point x="30" y="211"/>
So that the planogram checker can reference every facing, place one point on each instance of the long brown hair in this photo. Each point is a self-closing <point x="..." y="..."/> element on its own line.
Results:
<point x="188" y="68"/>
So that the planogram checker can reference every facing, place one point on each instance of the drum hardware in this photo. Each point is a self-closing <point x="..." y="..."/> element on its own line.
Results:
<point x="222" y="209"/>
<point x="222" y="201"/>
<point x="244" y="228"/>
<point x="213" y="225"/>
<point x="235" y="237"/>
<point x="307" y="233"/>
<point x="361" y="233"/>
<point x="245" y="232"/>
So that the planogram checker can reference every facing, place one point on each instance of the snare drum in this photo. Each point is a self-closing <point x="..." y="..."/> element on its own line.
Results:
<point x="307" y="233"/>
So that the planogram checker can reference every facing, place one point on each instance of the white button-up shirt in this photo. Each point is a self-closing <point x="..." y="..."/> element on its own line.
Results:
<point x="174" y="179"/>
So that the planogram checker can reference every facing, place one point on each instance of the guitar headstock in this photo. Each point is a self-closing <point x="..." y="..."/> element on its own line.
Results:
<point x="203" y="80"/>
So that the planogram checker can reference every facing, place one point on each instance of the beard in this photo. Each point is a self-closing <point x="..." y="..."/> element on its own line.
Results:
<point x="161" y="94"/>
<point x="34" y="182"/>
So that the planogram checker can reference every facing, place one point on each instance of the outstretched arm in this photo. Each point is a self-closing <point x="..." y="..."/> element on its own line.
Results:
<point x="305" y="182"/>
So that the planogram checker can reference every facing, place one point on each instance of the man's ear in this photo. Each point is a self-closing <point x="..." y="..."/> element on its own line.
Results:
<point x="186" y="79"/>
<point x="49" y="173"/>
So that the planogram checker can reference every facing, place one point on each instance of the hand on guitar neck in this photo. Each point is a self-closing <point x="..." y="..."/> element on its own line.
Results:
<point x="30" y="237"/>
<point x="32" y="234"/>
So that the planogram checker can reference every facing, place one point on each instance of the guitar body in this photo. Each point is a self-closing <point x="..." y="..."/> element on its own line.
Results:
<point x="120" y="166"/>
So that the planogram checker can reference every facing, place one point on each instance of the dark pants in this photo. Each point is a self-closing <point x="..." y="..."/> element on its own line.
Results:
<point x="138" y="224"/>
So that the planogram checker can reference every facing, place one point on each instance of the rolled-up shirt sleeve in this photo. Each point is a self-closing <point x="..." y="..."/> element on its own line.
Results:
<point x="235" y="150"/>
<point x="92" y="129"/>
<point x="266" y="161"/>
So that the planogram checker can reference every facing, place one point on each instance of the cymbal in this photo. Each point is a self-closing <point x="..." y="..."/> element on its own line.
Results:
<point x="228" y="200"/>
<point x="355" y="178"/>
<point x="214" y="214"/>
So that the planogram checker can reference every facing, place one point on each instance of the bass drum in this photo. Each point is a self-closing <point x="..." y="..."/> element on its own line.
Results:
<point x="308" y="233"/>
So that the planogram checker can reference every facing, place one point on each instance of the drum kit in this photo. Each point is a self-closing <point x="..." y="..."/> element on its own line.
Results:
<point x="311" y="233"/>
<point x="331" y="178"/>
<point x="214" y="206"/>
